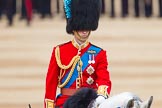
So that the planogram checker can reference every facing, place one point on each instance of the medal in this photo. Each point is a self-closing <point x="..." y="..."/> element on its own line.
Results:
<point x="90" y="80"/>
<point x="91" y="59"/>
<point x="90" y="70"/>
<point x="92" y="52"/>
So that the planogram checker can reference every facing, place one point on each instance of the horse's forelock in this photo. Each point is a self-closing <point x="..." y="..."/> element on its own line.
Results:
<point x="92" y="103"/>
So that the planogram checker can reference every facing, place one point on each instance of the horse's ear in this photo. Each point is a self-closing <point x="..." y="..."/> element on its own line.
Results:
<point x="92" y="104"/>
<point x="130" y="103"/>
<point x="29" y="106"/>
<point x="147" y="103"/>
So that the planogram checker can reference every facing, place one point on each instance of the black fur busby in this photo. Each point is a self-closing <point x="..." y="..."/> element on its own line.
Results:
<point x="84" y="15"/>
<point x="81" y="99"/>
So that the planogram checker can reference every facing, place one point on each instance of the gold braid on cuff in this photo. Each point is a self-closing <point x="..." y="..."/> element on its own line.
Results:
<point x="49" y="103"/>
<point x="102" y="90"/>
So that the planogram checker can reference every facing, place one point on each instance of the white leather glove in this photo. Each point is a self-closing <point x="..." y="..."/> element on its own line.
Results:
<point x="99" y="100"/>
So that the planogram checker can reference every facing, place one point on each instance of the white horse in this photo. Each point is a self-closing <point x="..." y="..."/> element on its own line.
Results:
<point x="126" y="100"/>
<point x="85" y="98"/>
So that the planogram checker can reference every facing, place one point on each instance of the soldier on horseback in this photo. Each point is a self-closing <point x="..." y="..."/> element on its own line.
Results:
<point x="78" y="63"/>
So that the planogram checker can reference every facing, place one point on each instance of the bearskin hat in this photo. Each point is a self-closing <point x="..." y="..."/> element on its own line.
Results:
<point x="82" y="14"/>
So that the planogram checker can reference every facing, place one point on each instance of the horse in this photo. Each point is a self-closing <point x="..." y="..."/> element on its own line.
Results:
<point x="85" y="98"/>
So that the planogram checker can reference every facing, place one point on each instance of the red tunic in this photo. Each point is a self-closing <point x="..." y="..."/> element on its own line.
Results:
<point x="100" y="76"/>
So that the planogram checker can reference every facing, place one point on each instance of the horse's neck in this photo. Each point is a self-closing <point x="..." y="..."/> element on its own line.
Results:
<point x="121" y="100"/>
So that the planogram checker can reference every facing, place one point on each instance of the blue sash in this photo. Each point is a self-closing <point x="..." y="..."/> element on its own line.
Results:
<point x="84" y="59"/>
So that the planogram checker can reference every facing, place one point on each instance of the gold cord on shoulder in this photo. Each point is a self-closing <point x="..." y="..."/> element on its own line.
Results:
<point x="72" y="64"/>
<point x="57" y="55"/>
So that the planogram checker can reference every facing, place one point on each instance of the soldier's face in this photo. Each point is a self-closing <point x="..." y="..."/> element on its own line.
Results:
<point x="81" y="36"/>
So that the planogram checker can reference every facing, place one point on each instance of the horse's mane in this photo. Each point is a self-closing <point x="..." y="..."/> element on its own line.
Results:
<point x="81" y="99"/>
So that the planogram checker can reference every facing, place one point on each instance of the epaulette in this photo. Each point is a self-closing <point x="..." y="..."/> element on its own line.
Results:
<point x="97" y="46"/>
<point x="64" y="44"/>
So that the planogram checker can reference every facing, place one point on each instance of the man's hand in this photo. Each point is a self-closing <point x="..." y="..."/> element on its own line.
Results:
<point x="99" y="100"/>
